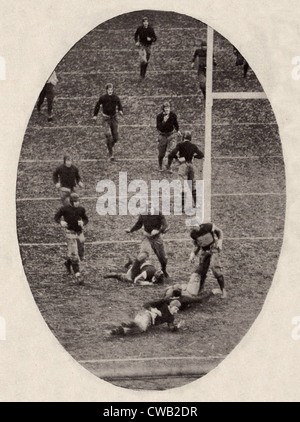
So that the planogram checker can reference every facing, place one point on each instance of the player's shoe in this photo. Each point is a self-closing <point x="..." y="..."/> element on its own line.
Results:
<point x="216" y="292"/>
<point x="224" y="294"/>
<point x="112" y="158"/>
<point x="166" y="275"/>
<point x="50" y="118"/>
<point x="79" y="279"/>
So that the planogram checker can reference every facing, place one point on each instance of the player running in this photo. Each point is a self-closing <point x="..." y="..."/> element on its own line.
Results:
<point x="185" y="152"/>
<point x="111" y="105"/>
<point x="168" y="130"/>
<point x="144" y="38"/>
<point x="72" y="217"/>
<point x="66" y="177"/>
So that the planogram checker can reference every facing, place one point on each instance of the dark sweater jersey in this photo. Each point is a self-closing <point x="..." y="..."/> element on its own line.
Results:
<point x="163" y="307"/>
<point x="186" y="150"/>
<point x="200" y="57"/>
<point x="110" y="105"/>
<point x="150" y="222"/>
<point x="72" y="215"/>
<point x="150" y="271"/>
<point x="205" y="236"/>
<point x="169" y="126"/>
<point x="67" y="176"/>
<point x="143" y="33"/>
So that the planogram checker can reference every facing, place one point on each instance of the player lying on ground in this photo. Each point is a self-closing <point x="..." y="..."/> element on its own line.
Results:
<point x="181" y="293"/>
<point x="140" y="271"/>
<point x="152" y="314"/>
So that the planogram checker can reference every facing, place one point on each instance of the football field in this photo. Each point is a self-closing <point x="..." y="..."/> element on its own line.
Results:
<point x="247" y="201"/>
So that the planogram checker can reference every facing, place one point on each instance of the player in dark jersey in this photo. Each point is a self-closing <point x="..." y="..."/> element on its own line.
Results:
<point x="154" y="225"/>
<point x="144" y="37"/>
<point x="152" y="314"/>
<point x="140" y="271"/>
<point x="186" y="297"/>
<point x="199" y="61"/>
<point x="168" y="131"/>
<point x="111" y="105"/>
<point x="240" y="61"/>
<point x="184" y="153"/>
<point x="208" y="240"/>
<point x="73" y="218"/>
<point x="66" y="177"/>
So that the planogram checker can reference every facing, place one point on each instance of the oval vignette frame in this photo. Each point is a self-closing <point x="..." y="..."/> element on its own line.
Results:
<point x="28" y="277"/>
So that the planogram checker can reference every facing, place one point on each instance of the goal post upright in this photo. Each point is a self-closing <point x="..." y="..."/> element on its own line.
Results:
<point x="208" y="125"/>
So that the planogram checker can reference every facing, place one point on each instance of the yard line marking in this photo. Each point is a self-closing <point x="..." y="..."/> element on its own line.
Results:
<point x="239" y="95"/>
<point x="158" y="28"/>
<point x="91" y="198"/>
<point x="35" y="127"/>
<point x="112" y="242"/>
<point x="250" y="194"/>
<point x="95" y="97"/>
<point x="225" y="96"/>
<point x="204" y="358"/>
<point x="150" y="159"/>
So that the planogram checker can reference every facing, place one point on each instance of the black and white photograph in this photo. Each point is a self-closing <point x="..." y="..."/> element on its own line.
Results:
<point x="151" y="199"/>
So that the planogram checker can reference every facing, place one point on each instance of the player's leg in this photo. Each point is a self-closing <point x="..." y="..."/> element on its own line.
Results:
<point x="73" y="255"/>
<point x="191" y="177"/>
<point x="50" y="99"/>
<point x="162" y="148"/>
<point x="246" y="68"/>
<point x="145" y="247"/>
<point x="183" y="175"/>
<point x="65" y="195"/>
<point x="158" y="247"/>
<point x="80" y="246"/>
<point x="204" y="263"/>
<point x="108" y="136"/>
<point x="143" y="61"/>
<point x="118" y="276"/>
<point x="114" y="132"/>
<point x="171" y="142"/>
<point x="202" y="82"/>
<point x="148" y="54"/>
<point x="217" y="271"/>
<point x="41" y="99"/>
